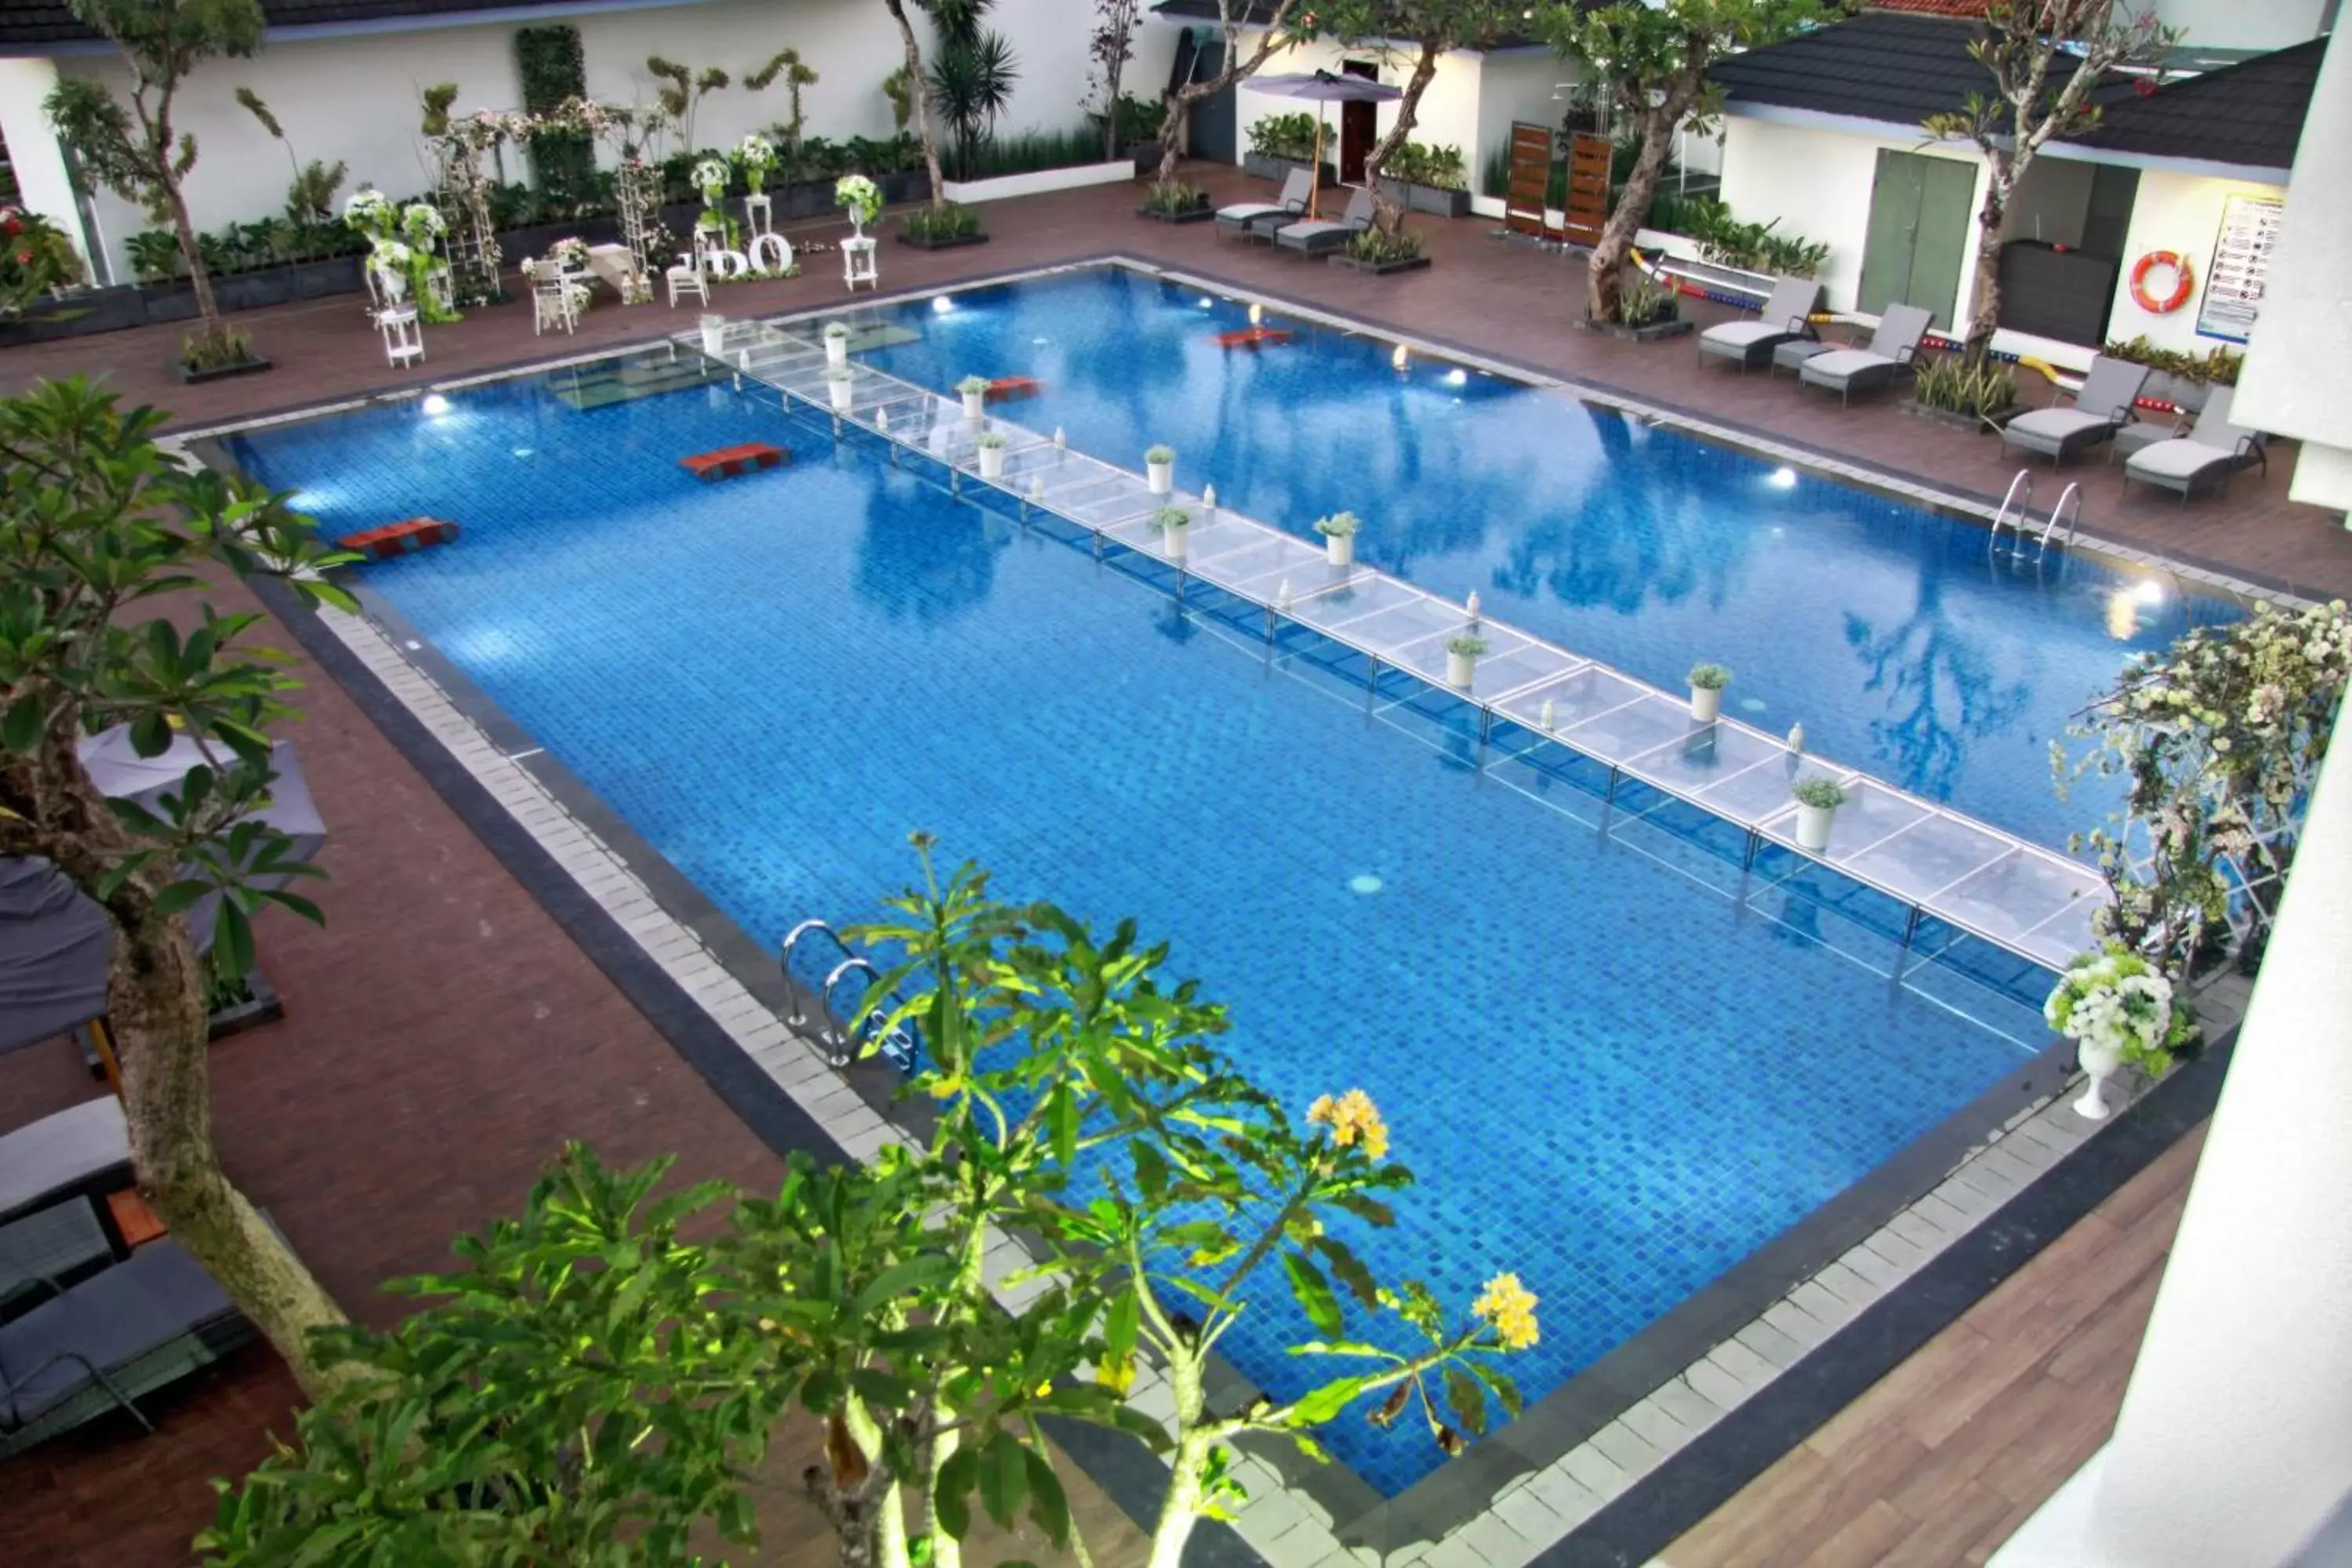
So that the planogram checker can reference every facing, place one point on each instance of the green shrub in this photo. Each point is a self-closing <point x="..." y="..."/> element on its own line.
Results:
<point x="1375" y="245"/>
<point x="1439" y="167"/>
<point x="2217" y="367"/>
<point x="1174" y="197"/>
<point x="1753" y="247"/>
<point x="1645" y="303"/>
<point x="949" y="220"/>
<point x="1290" y="136"/>
<point x="1035" y="149"/>
<point x="1948" y="382"/>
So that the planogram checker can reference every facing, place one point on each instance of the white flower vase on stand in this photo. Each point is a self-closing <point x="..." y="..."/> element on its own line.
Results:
<point x="394" y="281"/>
<point x="2100" y="1063"/>
<point x="756" y="210"/>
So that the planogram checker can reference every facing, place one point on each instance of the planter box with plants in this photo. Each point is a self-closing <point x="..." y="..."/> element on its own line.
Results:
<point x="2177" y="376"/>
<point x="1281" y="142"/>
<point x="1036" y="181"/>
<point x="229" y="354"/>
<point x="1428" y="180"/>
<point x="1379" y="254"/>
<point x="941" y="228"/>
<point x="1339" y="531"/>
<point x="1818" y="799"/>
<point x="1948" y="391"/>
<point x="1647" y="311"/>
<point x="235" y="1007"/>
<point x="1173" y="201"/>
<point x="1706" y="684"/>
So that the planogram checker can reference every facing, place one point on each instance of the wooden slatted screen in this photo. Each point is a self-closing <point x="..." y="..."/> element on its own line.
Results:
<point x="1523" y="205"/>
<point x="1588" y="189"/>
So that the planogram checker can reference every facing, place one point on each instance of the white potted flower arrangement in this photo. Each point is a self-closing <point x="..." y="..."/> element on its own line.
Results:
<point x="710" y="177"/>
<point x="714" y="333"/>
<point x="1160" y="467"/>
<point x="836" y="343"/>
<point x="860" y="197"/>
<point x="1462" y="655"/>
<point x="369" y="212"/>
<point x="1174" y="526"/>
<point x="569" y="253"/>
<point x="992" y="446"/>
<point x="755" y="155"/>
<point x="1818" y="799"/>
<point x="973" y="389"/>
<point x="839" y="379"/>
<point x="2117" y="1008"/>
<point x="390" y="262"/>
<point x="1339" y="531"/>
<point x="1706" y="684"/>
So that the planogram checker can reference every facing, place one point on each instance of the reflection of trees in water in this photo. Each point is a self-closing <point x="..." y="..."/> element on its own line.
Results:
<point x="922" y="568"/>
<point x="1944" y="675"/>
<point x="1641" y="535"/>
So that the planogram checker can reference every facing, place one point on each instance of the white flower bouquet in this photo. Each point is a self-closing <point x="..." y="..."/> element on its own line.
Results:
<point x="2115" y="1004"/>
<point x="423" y="224"/>
<point x="570" y="252"/>
<point x="368" y="211"/>
<point x="711" y="178"/>
<point x="757" y="155"/>
<point x="860" y="196"/>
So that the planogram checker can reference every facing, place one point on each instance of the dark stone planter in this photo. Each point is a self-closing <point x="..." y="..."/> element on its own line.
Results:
<point x="1380" y="269"/>
<point x="1958" y="421"/>
<point x="1432" y="199"/>
<point x="322" y="279"/>
<point x="92" y="311"/>
<point x="1654" y="332"/>
<point x="252" y="366"/>
<point x="1200" y="214"/>
<point x="264" y="1006"/>
<point x="170" y="302"/>
<point x="255" y="290"/>
<point x="1279" y="169"/>
<point x="1146" y="155"/>
<point x="908" y="185"/>
<point x="958" y="243"/>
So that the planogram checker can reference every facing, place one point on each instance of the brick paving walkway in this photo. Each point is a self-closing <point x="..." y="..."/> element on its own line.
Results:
<point x="380" y="1117"/>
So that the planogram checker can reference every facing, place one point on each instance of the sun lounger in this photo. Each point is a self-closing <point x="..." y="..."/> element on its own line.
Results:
<point x="1319" y="236"/>
<point x="1242" y="218"/>
<point x="144" y="1324"/>
<point x="43" y="1251"/>
<point x="1783" y="318"/>
<point x="2105" y="404"/>
<point x="1892" y="349"/>
<point x="2213" y="449"/>
<point x="69" y="1151"/>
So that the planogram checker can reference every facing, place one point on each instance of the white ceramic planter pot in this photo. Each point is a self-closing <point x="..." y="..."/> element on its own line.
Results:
<point x="975" y="405"/>
<point x="2100" y="1063"/>
<point x="395" y="283"/>
<point x="836" y="351"/>
<point x="1461" y="669"/>
<point x="1162" y="477"/>
<point x="1813" y="826"/>
<point x="1339" y="549"/>
<point x="991" y="462"/>
<point x="1706" y="703"/>
<point x="714" y="339"/>
<point x="838" y="393"/>
<point x="1178" y="541"/>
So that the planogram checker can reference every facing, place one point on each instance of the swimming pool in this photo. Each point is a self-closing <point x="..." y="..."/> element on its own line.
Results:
<point x="1902" y="644"/>
<point x="1610" y="1075"/>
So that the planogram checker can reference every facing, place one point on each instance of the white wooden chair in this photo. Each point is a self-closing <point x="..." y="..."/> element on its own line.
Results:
<point x="404" y="341"/>
<point x="686" y="277"/>
<point x="550" y="305"/>
<point x="442" y="285"/>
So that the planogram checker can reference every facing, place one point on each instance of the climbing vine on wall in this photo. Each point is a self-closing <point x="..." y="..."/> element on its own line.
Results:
<point x="553" y="70"/>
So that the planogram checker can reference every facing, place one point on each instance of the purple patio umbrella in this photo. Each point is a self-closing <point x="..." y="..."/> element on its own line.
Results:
<point x="1322" y="87"/>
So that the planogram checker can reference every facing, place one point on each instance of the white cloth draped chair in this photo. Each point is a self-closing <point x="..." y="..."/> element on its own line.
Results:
<point x="686" y="277"/>
<point x="550" y="306"/>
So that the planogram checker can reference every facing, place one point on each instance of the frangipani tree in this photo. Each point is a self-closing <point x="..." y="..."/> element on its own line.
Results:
<point x="109" y="550"/>
<point x="1273" y="21"/>
<point x="1429" y="30"/>
<point x="1077" y="1097"/>
<point x="1652" y="62"/>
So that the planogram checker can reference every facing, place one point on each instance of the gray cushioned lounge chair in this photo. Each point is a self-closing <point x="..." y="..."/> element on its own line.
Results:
<point x="42" y="1252"/>
<point x="1242" y="218"/>
<point x="2213" y="449"/>
<point x="145" y="1323"/>
<point x="2105" y="404"/>
<point x="65" y="1152"/>
<point x="1894" y="347"/>
<point x="1784" y="317"/>
<point x="1320" y="237"/>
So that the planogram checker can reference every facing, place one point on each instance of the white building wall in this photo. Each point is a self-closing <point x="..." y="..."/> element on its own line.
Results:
<point x="1524" y="84"/>
<point x="1448" y="114"/>
<point x="2182" y="213"/>
<point x="42" y="183"/>
<point x="2236" y="24"/>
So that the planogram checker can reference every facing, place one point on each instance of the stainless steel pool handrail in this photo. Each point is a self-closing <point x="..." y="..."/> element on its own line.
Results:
<point x="2016" y="511"/>
<point x="956" y="452"/>
<point x="2073" y="492"/>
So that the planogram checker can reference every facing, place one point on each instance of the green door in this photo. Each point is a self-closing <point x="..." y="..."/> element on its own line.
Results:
<point x="1919" y="216"/>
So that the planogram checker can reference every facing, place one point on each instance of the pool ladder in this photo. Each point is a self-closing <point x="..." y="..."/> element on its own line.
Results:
<point x="2016" y="514"/>
<point x="838" y="1041"/>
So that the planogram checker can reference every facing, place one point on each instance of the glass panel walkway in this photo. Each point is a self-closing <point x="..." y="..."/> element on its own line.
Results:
<point x="1934" y="861"/>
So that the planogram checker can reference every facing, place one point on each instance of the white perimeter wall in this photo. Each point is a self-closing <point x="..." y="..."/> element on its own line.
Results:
<point x="356" y="98"/>
<point x="1517" y="86"/>
<point x="1817" y="182"/>
<point x="2179" y="213"/>
<point x="2237" y="24"/>
<point x="1449" y="105"/>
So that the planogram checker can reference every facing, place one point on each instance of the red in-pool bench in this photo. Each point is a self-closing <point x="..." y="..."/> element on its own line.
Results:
<point x="1253" y="337"/>
<point x="1008" y="388"/>
<point x="727" y="462"/>
<point x="398" y="538"/>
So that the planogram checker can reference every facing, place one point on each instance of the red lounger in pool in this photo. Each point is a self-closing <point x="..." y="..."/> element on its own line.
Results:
<point x="726" y="462"/>
<point x="1252" y="337"/>
<point x="1007" y="388"/>
<point x="398" y="538"/>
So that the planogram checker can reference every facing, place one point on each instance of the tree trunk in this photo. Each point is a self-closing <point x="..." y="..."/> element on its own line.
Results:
<point x="1984" y="296"/>
<point x="918" y="101"/>
<point x="1605" y="272"/>
<point x="1173" y="125"/>
<point x="1180" y="1509"/>
<point x="1389" y="214"/>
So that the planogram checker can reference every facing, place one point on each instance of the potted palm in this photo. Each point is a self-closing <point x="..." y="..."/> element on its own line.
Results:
<point x="1462" y="660"/>
<point x="1174" y="526"/>
<point x="1160" y="466"/>
<point x="1706" y="684"/>
<point x="992" y="455"/>
<point x="838" y="383"/>
<point x="836" y="343"/>
<point x="974" y="391"/>
<point x="1817" y="801"/>
<point x="1339" y="531"/>
<point x="714" y="334"/>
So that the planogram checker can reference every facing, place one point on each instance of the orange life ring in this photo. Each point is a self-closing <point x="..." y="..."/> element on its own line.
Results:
<point x="2183" y="282"/>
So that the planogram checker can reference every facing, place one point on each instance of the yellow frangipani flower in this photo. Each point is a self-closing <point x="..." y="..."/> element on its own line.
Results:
<point x="1352" y="1119"/>
<point x="1510" y="1307"/>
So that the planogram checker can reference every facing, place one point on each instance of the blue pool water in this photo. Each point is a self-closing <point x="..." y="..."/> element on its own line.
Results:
<point x="1610" y="1077"/>
<point x="1888" y="631"/>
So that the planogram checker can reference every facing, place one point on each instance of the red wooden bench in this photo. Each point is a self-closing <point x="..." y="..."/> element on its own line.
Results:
<point x="1253" y="337"/>
<point x="726" y="462"/>
<point x="398" y="538"/>
<point x="1010" y="388"/>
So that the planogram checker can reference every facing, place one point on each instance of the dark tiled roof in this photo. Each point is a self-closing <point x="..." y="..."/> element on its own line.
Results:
<point x="2249" y="114"/>
<point x="1883" y="65"/>
<point x="37" y="23"/>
